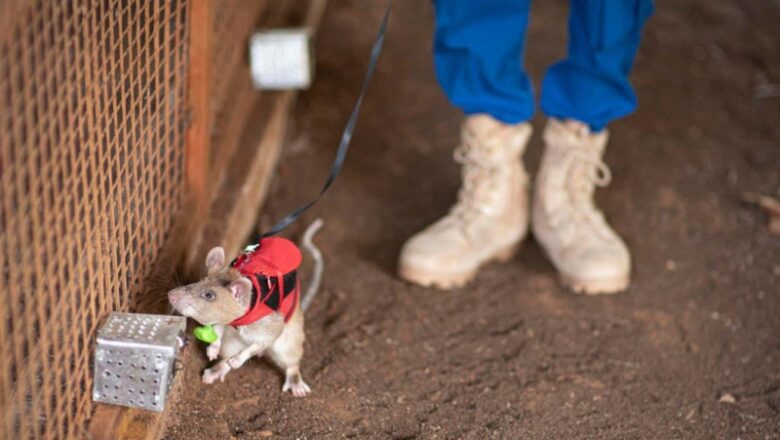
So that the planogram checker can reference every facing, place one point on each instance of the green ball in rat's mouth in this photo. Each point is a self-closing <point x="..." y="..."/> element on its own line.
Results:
<point x="205" y="333"/>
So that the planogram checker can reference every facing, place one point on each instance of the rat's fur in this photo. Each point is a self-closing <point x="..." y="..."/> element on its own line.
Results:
<point x="224" y="295"/>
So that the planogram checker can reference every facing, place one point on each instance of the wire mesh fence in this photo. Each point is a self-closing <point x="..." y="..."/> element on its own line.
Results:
<point x="92" y="120"/>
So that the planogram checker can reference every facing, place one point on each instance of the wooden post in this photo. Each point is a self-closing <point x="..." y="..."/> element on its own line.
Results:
<point x="198" y="137"/>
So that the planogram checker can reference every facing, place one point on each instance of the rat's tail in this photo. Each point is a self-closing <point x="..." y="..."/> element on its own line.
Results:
<point x="319" y="263"/>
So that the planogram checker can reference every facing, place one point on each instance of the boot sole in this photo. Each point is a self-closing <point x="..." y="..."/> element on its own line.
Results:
<point x="452" y="281"/>
<point x="606" y="286"/>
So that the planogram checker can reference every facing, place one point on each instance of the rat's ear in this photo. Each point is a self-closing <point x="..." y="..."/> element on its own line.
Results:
<point x="241" y="288"/>
<point x="215" y="260"/>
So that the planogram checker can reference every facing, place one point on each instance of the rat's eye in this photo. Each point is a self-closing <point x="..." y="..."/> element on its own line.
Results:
<point x="208" y="295"/>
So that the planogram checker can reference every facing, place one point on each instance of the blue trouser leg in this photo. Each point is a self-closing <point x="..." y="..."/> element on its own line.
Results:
<point x="478" y="51"/>
<point x="591" y="85"/>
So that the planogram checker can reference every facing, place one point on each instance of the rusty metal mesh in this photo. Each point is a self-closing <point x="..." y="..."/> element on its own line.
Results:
<point x="91" y="174"/>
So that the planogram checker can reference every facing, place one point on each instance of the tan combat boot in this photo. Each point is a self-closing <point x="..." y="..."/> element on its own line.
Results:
<point x="490" y="218"/>
<point x="589" y="255"/>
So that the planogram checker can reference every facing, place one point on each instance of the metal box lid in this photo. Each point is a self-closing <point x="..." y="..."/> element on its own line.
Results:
<point x="143" y="331"/>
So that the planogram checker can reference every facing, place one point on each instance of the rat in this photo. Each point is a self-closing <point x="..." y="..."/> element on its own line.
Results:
<point x="227" y="299"/>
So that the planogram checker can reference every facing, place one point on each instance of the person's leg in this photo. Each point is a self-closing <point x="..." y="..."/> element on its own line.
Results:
<point x="478" y="53"/>
<point x="591" y="85"/>
<point x="581" y="95"/>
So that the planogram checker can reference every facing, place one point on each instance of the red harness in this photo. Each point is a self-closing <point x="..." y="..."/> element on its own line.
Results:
<point x="272" y="267"/>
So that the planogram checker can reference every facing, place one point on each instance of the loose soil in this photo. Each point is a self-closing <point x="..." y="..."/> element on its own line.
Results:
<point x="514" y="355"/>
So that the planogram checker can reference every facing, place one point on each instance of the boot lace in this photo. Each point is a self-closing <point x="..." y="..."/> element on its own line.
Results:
<point x="479" y="190"/>
<point x="583" y="173"/>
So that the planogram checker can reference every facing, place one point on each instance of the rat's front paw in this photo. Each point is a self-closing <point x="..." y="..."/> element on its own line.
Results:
<point x="212" y="351"/>
<point x="217" y="372"/>
<point x="211" y="375"/>
<point x="236" y="362"/>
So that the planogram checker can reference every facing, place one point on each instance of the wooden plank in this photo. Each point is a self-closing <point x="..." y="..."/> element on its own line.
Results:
<point x="199" y="92"/>
<point x="242" y="98"/>
<point x="314" y="15"/>
<point x="233" y="94"/>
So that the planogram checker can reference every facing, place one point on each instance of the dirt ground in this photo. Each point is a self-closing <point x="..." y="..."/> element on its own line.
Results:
<point x="514" y="355"/>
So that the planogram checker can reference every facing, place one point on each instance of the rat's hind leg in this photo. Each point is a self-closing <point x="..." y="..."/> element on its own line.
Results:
<point x="288" y="357"/>
<point x="287" y="352"/>
<point x="294" y="383"/>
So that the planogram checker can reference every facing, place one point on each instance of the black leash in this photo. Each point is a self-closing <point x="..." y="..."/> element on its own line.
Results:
<point x="346" y="136"/>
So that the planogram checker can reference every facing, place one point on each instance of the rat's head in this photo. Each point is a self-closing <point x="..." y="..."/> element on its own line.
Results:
<point x="219" y="298"/>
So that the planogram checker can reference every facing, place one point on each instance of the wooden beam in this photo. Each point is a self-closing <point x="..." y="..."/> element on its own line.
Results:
<point x="242" y="98"/>
<point x="198" y="137"/>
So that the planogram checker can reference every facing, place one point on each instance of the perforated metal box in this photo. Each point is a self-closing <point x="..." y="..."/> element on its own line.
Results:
<point x="281" y="59"/>
<point x="135" y="359"/>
